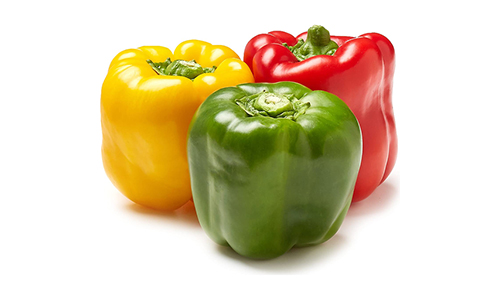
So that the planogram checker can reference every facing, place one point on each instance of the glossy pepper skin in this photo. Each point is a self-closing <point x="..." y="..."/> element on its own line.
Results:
<point x="145" y="118"/>
<point x="264" y="183"/>
<point x="360" y="72"/>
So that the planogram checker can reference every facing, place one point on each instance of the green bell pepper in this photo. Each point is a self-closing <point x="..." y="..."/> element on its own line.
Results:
<point x="272" y="166"/>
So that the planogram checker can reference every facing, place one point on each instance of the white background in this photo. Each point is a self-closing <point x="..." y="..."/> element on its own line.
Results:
<point x="67" y="233"/>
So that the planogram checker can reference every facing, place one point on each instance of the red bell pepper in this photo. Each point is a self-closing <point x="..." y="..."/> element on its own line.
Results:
<point x="359" y="70"/>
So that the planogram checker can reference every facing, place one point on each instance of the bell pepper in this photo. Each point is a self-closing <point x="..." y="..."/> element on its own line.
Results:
<point x="272" y="166"/>
<point x="148" y="99"/>
<point x="359" y="70"/>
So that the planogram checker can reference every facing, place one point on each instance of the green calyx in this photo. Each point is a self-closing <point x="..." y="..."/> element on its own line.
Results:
<point x="318" y="43"/>
<point x="179" y="67"/>
<point x="267" y="104"/>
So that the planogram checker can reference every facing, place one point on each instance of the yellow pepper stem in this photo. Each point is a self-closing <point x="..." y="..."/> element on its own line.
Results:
<point x="179" y="67"/>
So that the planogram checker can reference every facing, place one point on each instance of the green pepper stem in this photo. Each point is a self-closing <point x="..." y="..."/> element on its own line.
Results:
<point x="273" y="105"/>
<point x="318" y="43"/>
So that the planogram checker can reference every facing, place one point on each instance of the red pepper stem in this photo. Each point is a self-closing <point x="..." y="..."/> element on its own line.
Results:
<point x="318" y="43"/>
<point x="317" y="35"/>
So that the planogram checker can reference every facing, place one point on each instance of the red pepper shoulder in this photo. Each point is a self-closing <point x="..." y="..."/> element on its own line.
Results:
<point x="360" y="56"/>
<point x="261" y="40"/>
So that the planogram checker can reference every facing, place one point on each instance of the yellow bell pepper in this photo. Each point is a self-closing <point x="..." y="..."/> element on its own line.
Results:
<point x="145" y="116"/>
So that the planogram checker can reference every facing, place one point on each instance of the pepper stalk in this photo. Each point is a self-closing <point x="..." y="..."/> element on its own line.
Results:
<point x="273" y="105"/>
<point x="317" y="43"/>
<point x="190" y="69"/>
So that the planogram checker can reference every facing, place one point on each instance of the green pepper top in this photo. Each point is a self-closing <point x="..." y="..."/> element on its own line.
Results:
<point x="273" y="105"/>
